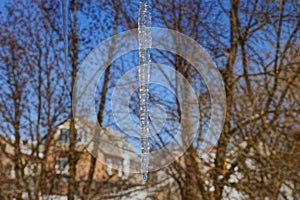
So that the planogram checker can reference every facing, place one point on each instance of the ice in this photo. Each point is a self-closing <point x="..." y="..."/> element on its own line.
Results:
<point x="65" y="30"/>
<point x="145" y="41"/>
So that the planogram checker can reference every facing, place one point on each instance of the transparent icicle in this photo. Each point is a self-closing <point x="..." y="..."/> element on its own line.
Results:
<point x="65" y="7"/>
<point x="145" y="41"/>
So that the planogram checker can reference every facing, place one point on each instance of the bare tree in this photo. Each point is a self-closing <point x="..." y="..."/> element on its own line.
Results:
<point x="254" y="43"/>
<point x="33" y="97"/>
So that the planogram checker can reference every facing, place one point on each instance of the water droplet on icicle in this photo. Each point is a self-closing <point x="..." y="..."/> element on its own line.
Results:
<point x="145" y="177"/>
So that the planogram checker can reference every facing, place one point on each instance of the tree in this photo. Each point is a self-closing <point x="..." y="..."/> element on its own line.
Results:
<point x="242" y="37"/>
<point x="254" y="43"/>
<point x="33" y="95"/>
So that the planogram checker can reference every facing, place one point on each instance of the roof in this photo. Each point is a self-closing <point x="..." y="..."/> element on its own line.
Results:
<point x="210" y="148"/>
<point x="110" y="142"/>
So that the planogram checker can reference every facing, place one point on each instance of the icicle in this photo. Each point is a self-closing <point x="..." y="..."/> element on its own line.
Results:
<point x="65" y="30"/>
<point x="145" y="40"/>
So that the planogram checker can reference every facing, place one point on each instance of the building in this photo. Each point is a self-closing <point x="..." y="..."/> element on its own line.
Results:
<point x="112" y="167"/>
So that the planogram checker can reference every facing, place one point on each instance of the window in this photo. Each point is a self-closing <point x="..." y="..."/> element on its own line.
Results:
<point x="120" y="168"/>
<point x="9" y="171"/>
<point x="125" y="146"/>
<point x="64" y="135"/>
<point x="61" y="165"/>
<point x="3" y="147"/>
<point x="85" y="138"/>
<point x="81" y="136"/>
<point x="109" y="166"/>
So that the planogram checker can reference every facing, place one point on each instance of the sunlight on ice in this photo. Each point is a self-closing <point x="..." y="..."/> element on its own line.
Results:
<point x="145" y="40"/>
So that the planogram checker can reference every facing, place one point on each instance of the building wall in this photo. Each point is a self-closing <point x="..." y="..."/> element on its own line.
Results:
<point x="109" y="166"/>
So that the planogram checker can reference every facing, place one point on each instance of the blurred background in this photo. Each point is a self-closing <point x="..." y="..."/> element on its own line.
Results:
<point x="255" y="45"/>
